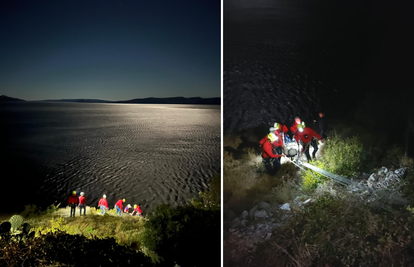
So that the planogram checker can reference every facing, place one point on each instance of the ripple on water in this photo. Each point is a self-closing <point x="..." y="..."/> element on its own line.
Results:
<point x="142" y="153"/>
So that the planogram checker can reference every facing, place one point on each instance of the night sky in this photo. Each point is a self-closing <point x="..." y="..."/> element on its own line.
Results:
<point x="111" y="50"/>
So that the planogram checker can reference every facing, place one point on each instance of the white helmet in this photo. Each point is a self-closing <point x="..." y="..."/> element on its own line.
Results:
<point x="129" y="206"/>
<point x="104" y="196"/>
<point x="82" y="193"/>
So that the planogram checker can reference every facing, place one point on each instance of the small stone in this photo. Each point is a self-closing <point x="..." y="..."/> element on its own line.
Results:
<point x="264" y="206"/>
<point x="251" y="229"/>
<point x="382" y="171"/>
<point x="268" y="236"/>
<point x="244" y="215"/>
<point x="261" y="214"/>
<point x="285" y="206"/>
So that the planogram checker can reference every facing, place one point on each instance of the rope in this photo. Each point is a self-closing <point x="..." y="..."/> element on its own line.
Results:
<point x="330" y="177"/>
<point x="300" y="167"/>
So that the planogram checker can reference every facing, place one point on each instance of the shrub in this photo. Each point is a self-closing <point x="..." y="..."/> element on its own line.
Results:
<point x="340" y="156"/>
<point x="16" y="221"/>
<point x="61" y="249"/>
<point x="30" y="210"/>
<point x="183" y="235"/>
<point x="210" y="199"/>
<point x="340" y="231"/>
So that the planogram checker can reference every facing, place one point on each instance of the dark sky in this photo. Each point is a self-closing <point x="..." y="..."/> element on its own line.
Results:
<point x="112" y="50"/>
<point x="290" y="58"/>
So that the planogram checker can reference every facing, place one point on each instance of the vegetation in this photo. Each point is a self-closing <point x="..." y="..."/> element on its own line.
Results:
<point x="61" y="249"/>
<point x="340" y="156"/>
<point x="341" y="231"/>
<point x="335" y="228"/>
<point x="187" y="235"/>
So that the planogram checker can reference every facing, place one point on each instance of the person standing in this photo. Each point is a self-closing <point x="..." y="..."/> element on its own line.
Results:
<point x="103" y="204"/>
<point x="82" y="204"/>
<point x="118" y="206"/>
<point x="322" y="125"/>
<point x="72" y="202"/>
<point x="306" y="137"/>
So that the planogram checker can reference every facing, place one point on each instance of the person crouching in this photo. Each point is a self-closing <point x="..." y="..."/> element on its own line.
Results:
<point x="272" y="147"/>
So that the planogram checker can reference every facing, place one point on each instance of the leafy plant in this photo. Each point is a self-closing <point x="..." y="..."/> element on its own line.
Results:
<point x="16" y="221"/>
<point x="210" y="199"/>
<point x="54" y="248"/>
<point x="340" y="156"/>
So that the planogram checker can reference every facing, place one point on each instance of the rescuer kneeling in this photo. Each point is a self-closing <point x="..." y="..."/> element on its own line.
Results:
<point x="272" y="147"/>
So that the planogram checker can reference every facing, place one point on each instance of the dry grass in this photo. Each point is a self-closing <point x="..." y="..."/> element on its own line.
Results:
<point x="246" y="182"/>
<point x="232" y="141"/>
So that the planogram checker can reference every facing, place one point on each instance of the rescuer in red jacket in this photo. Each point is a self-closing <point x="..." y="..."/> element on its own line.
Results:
<point x="306" y="137"/>
<point x="272" y="146"/>
<point x="72" y="202"/>
<point x="82" y="204"/>
<point x="136" y="211"/>
<point x="103" y="204"/>
<point x="118" y="206"/>
<point x="279" y="130"/>
<point x="294" y="127"/>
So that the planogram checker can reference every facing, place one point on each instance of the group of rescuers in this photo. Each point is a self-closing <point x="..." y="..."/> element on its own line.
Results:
<point x="273" y="144"/>
<point x="103" y="204"/>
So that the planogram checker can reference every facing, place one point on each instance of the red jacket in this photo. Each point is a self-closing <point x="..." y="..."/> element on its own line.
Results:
<point x="294" y="128"/>
<point x="103" y="202"/>
<point x="277" y="143"/>
<point x="119" y="203"/>
<point x="267" y="148"/>
<point x="138" y="210"/>
<point x="306" y="136"/>
<point x="283" y="129"/>
<point x="82" y="200"/>
<point x="72" y="199"/>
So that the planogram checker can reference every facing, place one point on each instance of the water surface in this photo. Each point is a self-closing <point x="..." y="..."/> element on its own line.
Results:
<point x="147" y="154"/>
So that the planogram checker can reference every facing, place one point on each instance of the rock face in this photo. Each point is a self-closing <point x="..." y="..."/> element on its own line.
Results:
<point x="383" y="178"/>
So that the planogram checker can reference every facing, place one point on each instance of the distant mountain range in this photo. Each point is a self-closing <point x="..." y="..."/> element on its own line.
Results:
<point x="7" y="98"/>
<point x="149" y="100"/>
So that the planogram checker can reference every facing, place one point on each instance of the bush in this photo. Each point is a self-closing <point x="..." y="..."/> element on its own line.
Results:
<point x="61" y="249"/>
<point x="210" y="199"/>
<point x="183" y="235"/>
<point x="340" y="231"/>
<point x="340" y="156"/>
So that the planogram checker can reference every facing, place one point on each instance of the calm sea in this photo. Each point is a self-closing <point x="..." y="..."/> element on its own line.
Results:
<point x="147" y="154"/>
